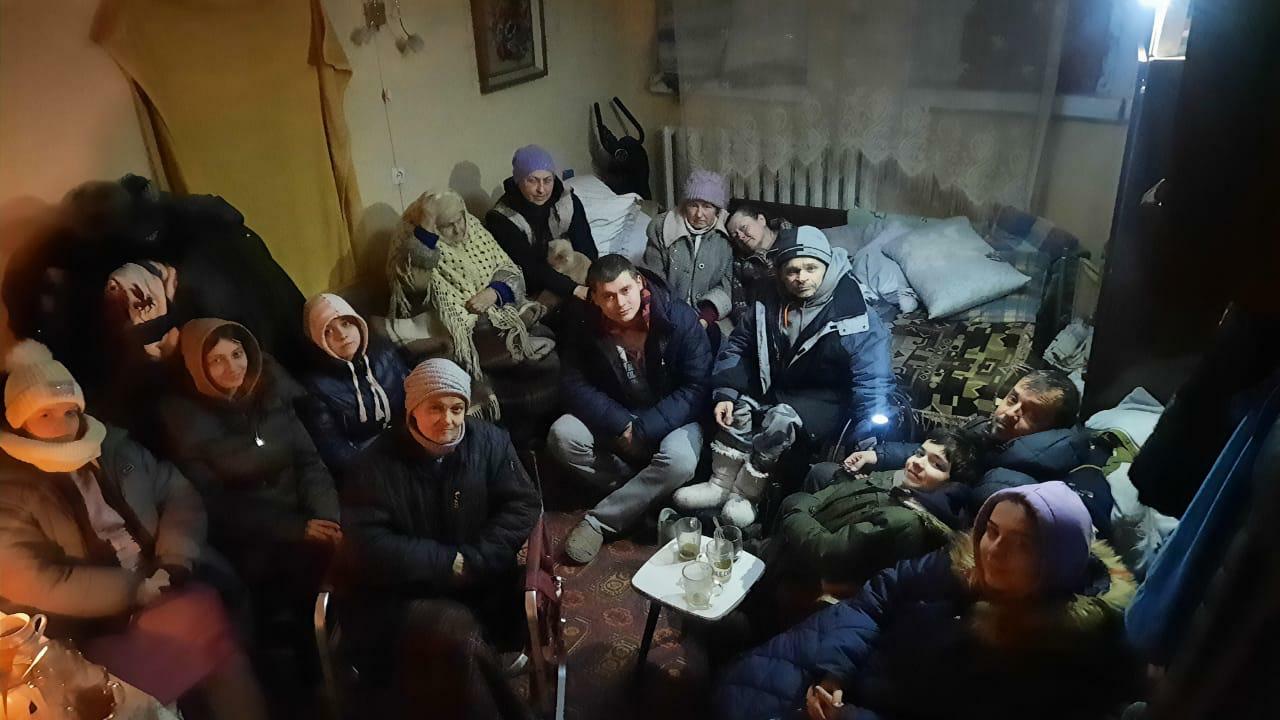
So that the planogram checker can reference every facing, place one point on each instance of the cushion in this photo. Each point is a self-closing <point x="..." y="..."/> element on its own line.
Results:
<point x="608" y="213"/>
<point x="843" y="236"/>
<point x="879" y="275"/>
<point x="951" y="268"/>
<point x="866" y="224"/>
<point x="1023" y="304"/>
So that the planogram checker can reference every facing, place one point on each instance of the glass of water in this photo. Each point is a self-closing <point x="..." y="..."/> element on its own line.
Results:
<point x="688" y="538"/>
<point x="698" y="584"/>
<point x="733" y="534"/>
<point x="720" y="555"/>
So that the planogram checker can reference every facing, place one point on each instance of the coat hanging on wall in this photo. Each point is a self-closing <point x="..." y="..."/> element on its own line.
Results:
<point x="244" y="100"/>
<point x="628" y="166"/>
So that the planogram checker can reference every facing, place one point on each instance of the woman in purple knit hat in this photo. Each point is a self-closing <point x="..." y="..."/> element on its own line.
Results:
<point x="1021" y="618"/>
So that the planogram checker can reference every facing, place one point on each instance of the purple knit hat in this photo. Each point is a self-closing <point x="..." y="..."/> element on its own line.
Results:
<point x="707" y="186"/>
<point x="530" y="159"/>
<point x="1063" y="528"/>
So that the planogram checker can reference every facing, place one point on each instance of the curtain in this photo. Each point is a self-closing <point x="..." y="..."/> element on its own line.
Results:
<point x="935" y="107"/>
<point x="244" y="100"/>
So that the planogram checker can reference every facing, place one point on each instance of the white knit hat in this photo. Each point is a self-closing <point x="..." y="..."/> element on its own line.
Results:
<point x="36" y="381"/>
<point x="435" y="376"/>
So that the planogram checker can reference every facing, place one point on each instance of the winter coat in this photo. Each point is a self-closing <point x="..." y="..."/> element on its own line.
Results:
<point x="329" y="409"/>
<point x="251" y="458"/>
<point x="863" y="524"/>
<point x="836" y="377"/>
<point x="52" y="560"/>
<point x="701" y="281"/>
<point x="917" y="643"/>
<point x="677" y="367"/>
<point x="525" y="231"/>
<point x="1066" y="454"/>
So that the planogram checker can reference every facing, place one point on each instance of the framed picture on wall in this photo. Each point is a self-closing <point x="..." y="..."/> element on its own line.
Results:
<point x="511" y="42"/>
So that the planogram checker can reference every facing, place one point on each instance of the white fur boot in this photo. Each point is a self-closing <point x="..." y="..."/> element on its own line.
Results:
<point x="725" y="464"/>
<point x="740" y="508"/>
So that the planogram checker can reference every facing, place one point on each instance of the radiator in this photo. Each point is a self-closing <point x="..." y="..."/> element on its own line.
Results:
<point x="831" y="181"/>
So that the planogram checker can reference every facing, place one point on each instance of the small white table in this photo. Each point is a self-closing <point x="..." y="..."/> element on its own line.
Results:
<point x="659" y="580"/>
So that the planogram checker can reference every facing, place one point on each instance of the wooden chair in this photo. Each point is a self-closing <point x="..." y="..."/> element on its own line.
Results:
<point x="542" y="596"/>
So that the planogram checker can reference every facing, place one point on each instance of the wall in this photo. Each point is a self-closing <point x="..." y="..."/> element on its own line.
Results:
<point x="1082" y="162"/>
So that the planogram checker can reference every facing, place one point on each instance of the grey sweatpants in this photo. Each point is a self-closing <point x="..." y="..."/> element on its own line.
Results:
<point x="631" y="492"/>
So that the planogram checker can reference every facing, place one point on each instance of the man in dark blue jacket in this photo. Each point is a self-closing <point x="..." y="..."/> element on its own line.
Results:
<point x="636" y="367"/>
<point x="806" y="365"/>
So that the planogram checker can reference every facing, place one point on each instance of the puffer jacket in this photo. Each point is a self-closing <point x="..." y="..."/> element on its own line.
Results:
<point x="251" y="458"/>
<point x="863" y="524"/>
<point x="330" y="411"/>
<point x="677" y="366"/>
<point x="916" y="643"/>
<point x="54" y="563"/>
<point x="836" y="377"/>
<point x="408" y="514"/>
<point x="704" y="281"/>
<point x="525" y="230"/>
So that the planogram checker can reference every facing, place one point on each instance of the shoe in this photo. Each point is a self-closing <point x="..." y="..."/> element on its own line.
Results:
<point x="738" y="511"/>
<point x="726" y="464"/>
<point x="583" y="543"/>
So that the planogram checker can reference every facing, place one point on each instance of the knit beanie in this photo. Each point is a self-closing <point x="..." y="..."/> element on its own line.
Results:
<point x="36" y="381"/>
<point x="435" y="376"/>
<point x="530" y="159"/>
<point x="1064" y="532"/>
<point x="801" y="242"/>
<point x="707" y="186"/>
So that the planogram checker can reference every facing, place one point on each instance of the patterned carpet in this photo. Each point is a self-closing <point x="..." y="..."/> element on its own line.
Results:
<point x="605" y="619"/>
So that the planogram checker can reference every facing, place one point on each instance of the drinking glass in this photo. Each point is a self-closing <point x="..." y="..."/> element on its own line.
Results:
<point x="688" y="538"/>
<point x="733" y="534"/>
<point x="720" y="555"/>
<point x="698" y="583"/>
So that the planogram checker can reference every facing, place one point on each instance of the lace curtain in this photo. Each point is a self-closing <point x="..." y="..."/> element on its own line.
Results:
<point x="935" y="107"/>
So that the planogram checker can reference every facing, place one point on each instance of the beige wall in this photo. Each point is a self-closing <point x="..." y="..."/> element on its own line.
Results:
<point x="1082" y="162"/>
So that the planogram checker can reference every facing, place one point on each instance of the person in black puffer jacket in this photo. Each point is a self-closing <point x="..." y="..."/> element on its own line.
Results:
<point x="233" y="431"/>
<point x="435" y="514"/>
<point x="355" y="388"/>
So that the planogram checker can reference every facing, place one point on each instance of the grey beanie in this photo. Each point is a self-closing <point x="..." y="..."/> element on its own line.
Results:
<point x="804" y="241"/>
<point x="435" y="376"/>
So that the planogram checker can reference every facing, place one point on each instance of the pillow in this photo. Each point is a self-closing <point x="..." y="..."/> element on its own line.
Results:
<point x="951" y="267"/>
<point x="880" y="277"/>
<point x="607" y="212"/>
<point x="867" y="224"/>
<point x="843" y="236"/>
<point x="1023" y="304"/>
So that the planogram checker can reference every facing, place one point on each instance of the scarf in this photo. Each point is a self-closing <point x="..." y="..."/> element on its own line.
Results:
<point x="57" y="457"/>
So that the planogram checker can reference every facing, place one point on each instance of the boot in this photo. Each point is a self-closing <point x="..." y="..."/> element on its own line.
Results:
<point x="725" y="465"/>
<point x="740" y="508"/>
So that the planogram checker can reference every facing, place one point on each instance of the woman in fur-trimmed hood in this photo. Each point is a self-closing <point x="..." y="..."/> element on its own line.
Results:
<point x="1022" y="618"/>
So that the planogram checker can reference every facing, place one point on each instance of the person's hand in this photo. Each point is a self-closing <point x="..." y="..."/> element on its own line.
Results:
<point x="824" y="701"/>
<point x="724" y="414"/>
<point x="627" y="435"/>
<point x="459" y="566"/>
<point x="416" y="213"/>
<point x="861" y="459"/>
<point x="581" y="292"/>
<point x="151" y="588"/>
<point x="703" y="322"/>
<point x="482" y="301"/>
<point x="326" y="531"/>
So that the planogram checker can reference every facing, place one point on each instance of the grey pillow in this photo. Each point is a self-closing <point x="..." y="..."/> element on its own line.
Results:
<point x="951" y="267"/>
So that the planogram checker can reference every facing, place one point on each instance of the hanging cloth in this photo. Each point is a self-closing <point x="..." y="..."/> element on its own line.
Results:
<point x="245" y="100"/>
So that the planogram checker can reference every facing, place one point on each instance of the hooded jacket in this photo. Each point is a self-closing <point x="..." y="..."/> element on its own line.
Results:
<point x="863" y="524"/>
<point x="249" y="455"/>
<point x="836" y="374"/>
<point x="525" y="230"/>
<point x="677" y="366"/>
<point x="918" y="643"/>
<point x="348" y="403"/>
<point x="704" y="279"/>
<point x="52" y="560"/>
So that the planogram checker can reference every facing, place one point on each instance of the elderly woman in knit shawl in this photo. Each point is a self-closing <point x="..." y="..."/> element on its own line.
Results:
<point x="444" y="260"/>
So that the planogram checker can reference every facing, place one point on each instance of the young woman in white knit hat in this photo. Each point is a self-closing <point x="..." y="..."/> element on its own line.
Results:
<point x="103" y="539"/>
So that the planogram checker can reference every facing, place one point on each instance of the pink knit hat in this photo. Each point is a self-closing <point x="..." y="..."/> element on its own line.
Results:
<point x="707" y="186"/>
<point x="321" y="310"/>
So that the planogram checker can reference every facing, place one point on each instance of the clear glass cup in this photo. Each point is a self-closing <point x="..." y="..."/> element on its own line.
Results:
<point x="688" y="538"/>
<point x="733" y="534"/>
<point x="698" y="581"/>
<point x="720" y="555"/>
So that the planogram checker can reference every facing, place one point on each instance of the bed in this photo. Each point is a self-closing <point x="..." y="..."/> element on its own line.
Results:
<point x="959" y="366"/>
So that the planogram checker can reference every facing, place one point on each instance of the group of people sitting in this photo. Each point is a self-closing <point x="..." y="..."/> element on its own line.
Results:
<point x="268" y="478"/>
